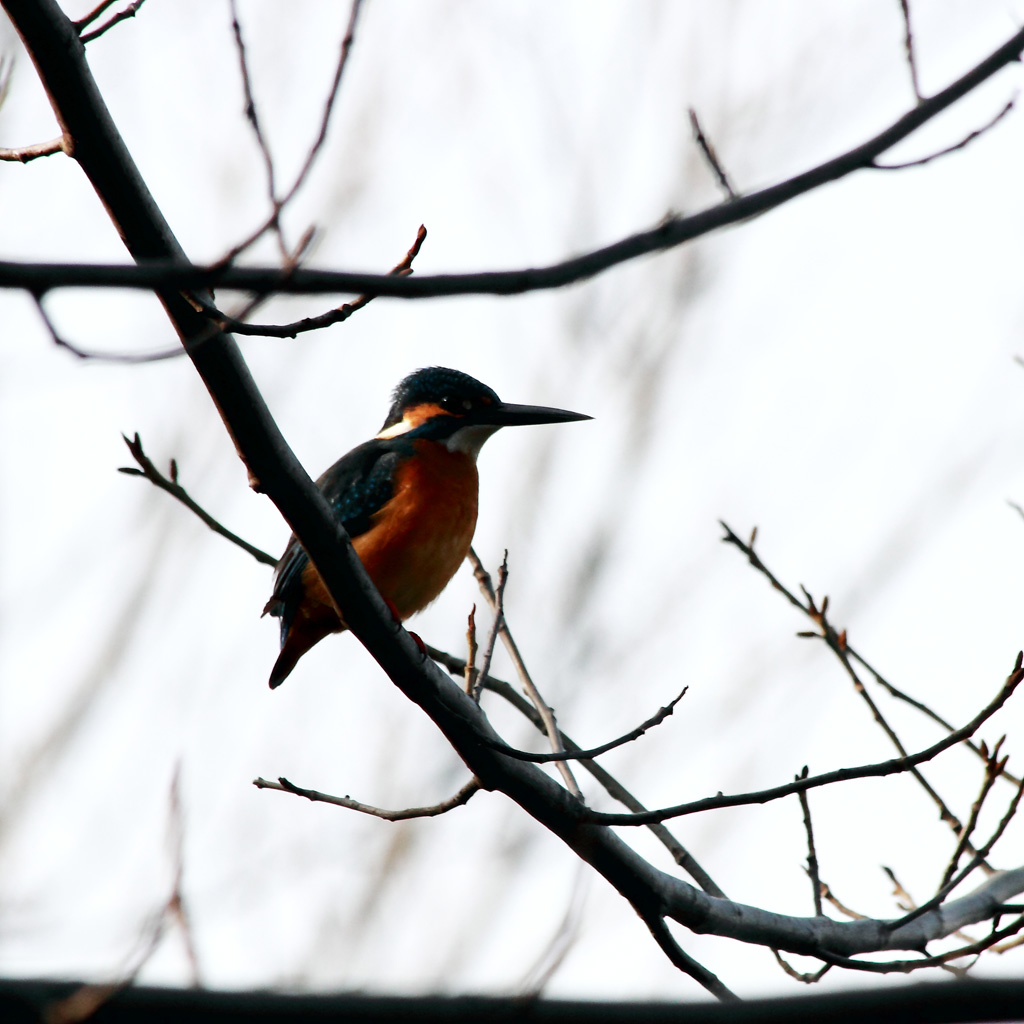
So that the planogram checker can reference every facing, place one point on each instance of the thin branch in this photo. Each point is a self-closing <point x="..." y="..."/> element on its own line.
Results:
<point x="173" y="488"/>
<point x="462" y="797"/>
<point x="670" y="232"/>
<point x="907" y="966"/>
<point x="908" y="45"/>
<point x="483" y="578"/>
<point x="106" y="357"/>
<point x="993" y="769"/>
<point x="829" y="895"/>
<point x="710" y="155"/>
<point x="233" y="322"/>
<point x="965" y="141"/>
<point x="839" y="645"/>
<point x="683" y="961"/>
<point x="496" y="624"/>
<point x="879" y="769"/>
<point x="611" y="785"/>
<point x="894" y="691"/>
<point x="273" y="221"/>
<point x="93" y="15"/>
<point x="84" y="1001"/>
<point x="975" y="861"/>
<point x="128" y="12"/>
<point x="24" y="154"/>
<point x="812" y="856"/>
<point x="807" y="979"/>
<point x="314" y="323"/>
<point x="470" y="673"/>
<point x="252" y="117"/>
<point x="904" y="900"/>
<point x="273" y="469"/>
<point x="584" y="755"/>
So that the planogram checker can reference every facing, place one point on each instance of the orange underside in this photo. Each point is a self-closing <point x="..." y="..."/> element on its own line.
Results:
<point x="417" y="542"/>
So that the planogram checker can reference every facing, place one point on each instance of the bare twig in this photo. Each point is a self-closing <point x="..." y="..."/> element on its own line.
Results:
<point x="807" y="979"/>
<point x="612" y="786"/>
<point x="965" y="141"/>
<point x="128" y="12"/>
<point x="173" y="488"/>
<point x="483" y="578"/>
<point x="86" y="1000"/>
<point x="923" y="708"/>
<point x="975" y="861"/>
<point x="496" y="624"/>
<point x="462" y="797"/>
<point x="908" y="45"/>
<point x="470" y="673"/>
<point x="710" y="155"/>
<point x="904" y="900"/>
<point x="907" y="966"/>
<point x="176" y="906"/>
<point x="829" y="895"/>
<point x="314" y="323"/>
<point x="275" y="471"/>
<point x="279" y="204"/>
<point x="23" y="154"/>
<point x="877" y="770"/>
<point x="683" y="961"/>
<point x="584" y="755"/>
<point x="812" y="856"/>
<point x="839" y="645"/>
<point x="106" y="357"/>
<point x="668" y="233"/>
<point x="252" y="117"/>
<point x="993" y="769"/>
<point x="93" y="15"/>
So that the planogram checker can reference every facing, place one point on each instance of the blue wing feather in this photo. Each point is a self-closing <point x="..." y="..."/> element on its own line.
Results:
<point x="356" y="486"/>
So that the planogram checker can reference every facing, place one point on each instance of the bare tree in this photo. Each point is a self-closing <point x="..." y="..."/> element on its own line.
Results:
<point x="89" y="135"/>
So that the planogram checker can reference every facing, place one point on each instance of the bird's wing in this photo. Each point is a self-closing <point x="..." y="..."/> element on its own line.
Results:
<point x="356" y="486"/>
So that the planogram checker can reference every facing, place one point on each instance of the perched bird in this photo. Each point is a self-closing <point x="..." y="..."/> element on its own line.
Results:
<point x="408" y="499"/>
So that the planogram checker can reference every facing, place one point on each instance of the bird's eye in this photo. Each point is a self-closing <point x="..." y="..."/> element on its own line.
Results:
<point x="453" y="404"/>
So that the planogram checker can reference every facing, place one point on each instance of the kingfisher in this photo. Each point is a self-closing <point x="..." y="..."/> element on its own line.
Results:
<point x="408" y="500"/>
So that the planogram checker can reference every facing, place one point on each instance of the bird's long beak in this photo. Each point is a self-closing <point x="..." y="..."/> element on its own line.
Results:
<point x="506" y="415"/>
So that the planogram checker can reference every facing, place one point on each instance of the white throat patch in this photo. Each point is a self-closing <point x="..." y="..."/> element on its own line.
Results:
<point x="470" y="440"/>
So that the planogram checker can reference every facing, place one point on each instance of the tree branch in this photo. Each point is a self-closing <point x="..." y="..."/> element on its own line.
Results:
<point x="673" y="231"/>
<point x="879" y="769"/>
<point x="483" y="578"/>
<point x="965" y="141"/>
<point x="584" y="755"/>
<point x="128" y="12"/>
<point x="812" y="855"/>
<point x="710" y="155"/>
<point x="24" y="154"/>
<point x="59" y="57"/>
<point x="612" y="786"/>
<point x="175" y="490"/>
<point x="458" y="800"/>
<point x="908" y="46"/>
<point x="314" y="323"/>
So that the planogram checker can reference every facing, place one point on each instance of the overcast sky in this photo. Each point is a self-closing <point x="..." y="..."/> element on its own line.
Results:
<point x="839" y="372"/>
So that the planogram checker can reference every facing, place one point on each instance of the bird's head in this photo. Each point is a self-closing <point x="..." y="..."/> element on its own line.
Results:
<point x="450" y="407"/>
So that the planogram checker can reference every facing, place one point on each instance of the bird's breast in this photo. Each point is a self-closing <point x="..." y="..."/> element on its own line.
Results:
<point x="421" y="536"/>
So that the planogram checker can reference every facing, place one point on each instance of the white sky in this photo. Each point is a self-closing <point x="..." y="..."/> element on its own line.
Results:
<point x="839" y="372"/>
